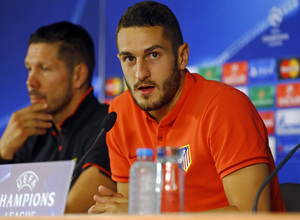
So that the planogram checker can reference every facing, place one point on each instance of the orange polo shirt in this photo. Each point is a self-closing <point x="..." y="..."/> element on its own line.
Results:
<point x="217" y="125"/>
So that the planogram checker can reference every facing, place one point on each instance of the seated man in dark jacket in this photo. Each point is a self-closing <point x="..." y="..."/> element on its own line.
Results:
<point x="64" y="117"/>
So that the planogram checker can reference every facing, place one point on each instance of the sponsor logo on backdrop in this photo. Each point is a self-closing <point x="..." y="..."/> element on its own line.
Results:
<point x="262" y="69"/>
<point x="275" y="37"/>
<point x="113" y="86"/>
<point x="263" y="96"/>
<point x="288" y="121"/>
<point x="286" y="144"/>
<point x="288" y="95"/>
<point x="235" y="73"/>
<point x="269" y="119"/>
<point x="288" y="68"/>
<point x="211" y="73"/>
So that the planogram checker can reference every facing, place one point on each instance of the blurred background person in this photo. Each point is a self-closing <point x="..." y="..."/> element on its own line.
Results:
<point x="64" y="117"/>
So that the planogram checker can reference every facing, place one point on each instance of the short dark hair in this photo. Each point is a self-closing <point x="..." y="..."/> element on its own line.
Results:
<point x="151" y="13"/>
<point x="75" y="44"/>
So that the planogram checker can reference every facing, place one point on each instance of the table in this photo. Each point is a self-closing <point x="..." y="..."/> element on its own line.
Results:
<point x="184" y="216"/>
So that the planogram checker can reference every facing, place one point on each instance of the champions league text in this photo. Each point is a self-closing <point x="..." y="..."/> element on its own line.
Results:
<point x="26" y="200"/>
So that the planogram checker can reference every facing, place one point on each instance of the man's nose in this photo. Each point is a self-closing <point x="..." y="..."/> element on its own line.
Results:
<point x="32" y="79"/>
<point x="142" y="70"/>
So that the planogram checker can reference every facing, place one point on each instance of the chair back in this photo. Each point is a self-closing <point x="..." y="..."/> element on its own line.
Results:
<point x="291" y="196"/>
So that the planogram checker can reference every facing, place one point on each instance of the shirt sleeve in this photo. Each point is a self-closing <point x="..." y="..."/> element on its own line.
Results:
<point x="99" y="158"/>
<point x="236" y="134"/>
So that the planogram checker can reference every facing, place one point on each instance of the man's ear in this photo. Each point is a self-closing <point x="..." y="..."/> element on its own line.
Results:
<point x="118" y="55"/>
<point x="183" y="56"/>
<point x="80" y="75"/>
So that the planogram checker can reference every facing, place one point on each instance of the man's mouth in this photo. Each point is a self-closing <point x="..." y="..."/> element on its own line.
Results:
<point x="145" y="87"/>
<point x="145" y="90"/>
<point x="36" y="97"/>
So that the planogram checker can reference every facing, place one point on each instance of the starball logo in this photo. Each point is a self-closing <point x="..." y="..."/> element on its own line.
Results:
<point x="275" y="17"/>
<point x="275" y="37"/>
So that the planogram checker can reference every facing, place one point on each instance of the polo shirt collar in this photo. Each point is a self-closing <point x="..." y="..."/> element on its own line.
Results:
<point x="79" y="108"/>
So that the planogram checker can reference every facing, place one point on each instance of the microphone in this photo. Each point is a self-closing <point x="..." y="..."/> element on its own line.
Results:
<point x="107" y="123"/>
<point x="274" y="172"/>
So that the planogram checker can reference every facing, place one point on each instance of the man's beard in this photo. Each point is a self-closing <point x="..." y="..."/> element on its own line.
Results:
<point x="170" y="87"/>
<point x="61" y="103"/>
<point x="58" y="103"/>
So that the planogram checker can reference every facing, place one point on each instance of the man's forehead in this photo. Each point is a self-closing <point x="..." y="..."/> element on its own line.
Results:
<point x="158" y="30"/>
<point x="41" y="53"/>
<point x="140" y="38"/>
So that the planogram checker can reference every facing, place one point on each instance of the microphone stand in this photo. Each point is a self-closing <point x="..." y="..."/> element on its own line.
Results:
<point x="107" y="123"/>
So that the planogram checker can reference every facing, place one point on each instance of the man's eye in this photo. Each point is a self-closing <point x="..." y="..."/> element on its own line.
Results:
<point x="45" y="68"/>
<point x="129" y="59"/>
<point x="154" y="55"/>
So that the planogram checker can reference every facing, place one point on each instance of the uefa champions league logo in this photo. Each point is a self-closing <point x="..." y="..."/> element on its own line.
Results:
<point x="275" y="17"/>
<point x="276" y="37"/>
<point x="27" y="179"/>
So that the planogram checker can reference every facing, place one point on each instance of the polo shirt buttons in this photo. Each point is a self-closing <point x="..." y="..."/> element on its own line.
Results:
<point x="160" y="138"/>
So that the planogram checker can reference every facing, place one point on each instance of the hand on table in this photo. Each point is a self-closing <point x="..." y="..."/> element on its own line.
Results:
<point x="109" y="202"/>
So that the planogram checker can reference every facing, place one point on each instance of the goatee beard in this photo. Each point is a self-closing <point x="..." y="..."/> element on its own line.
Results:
<point x="169" y="88"/>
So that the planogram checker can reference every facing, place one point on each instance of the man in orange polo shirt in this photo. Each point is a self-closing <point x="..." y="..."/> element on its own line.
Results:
<point x="166" y="105"/>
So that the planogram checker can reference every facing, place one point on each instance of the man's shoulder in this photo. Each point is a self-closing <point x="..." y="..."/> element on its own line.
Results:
<point x="102" y="108"/>
<point x="125" y="107"/>
<point x="210" y="88"/>
<point x="96" y="108"/>
<point x="89" y="119"/>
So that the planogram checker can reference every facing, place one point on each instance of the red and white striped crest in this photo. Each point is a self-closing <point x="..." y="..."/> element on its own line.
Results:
<point x="187" y="160"/>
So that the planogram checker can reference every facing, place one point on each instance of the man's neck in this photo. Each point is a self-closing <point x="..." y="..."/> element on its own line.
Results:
<point x="68" y="110"/>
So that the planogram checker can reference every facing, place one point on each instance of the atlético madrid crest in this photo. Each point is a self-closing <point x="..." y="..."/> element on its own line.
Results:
<point x="187" y="160"/>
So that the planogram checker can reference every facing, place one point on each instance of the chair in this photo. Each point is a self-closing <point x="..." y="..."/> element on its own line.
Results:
<point x="291" y="196"/>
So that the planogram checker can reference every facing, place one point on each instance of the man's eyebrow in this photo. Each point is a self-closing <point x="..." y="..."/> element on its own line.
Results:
<point x="153" y="48"/>
<point x="125" y="53"/>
